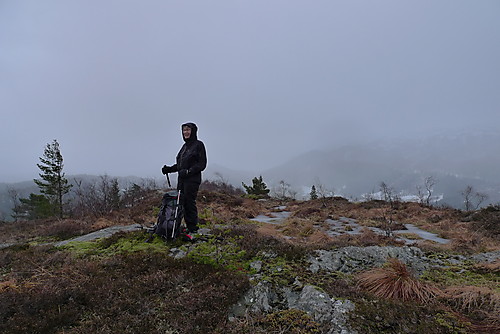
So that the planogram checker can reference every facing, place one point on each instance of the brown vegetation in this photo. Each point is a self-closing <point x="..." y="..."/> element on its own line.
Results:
<point x="51" y="290"/>
<point x="480" y="304"/>
<point x="395" y="281"/>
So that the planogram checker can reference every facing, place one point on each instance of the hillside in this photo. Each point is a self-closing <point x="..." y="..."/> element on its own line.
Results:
<point x="356" y="170"/>
<point x="321" y="266"/>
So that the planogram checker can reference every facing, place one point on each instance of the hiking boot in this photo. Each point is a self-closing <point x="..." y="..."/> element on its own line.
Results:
<point x="188" y="237"/>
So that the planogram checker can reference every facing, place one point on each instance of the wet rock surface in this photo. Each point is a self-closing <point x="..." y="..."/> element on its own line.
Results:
<point x="353" y="259"/>
<point x="328" y="311"/>
<point x="104" y="233"/>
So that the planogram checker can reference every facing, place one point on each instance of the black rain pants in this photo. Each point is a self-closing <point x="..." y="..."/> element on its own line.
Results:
<point x="189" y="193"/>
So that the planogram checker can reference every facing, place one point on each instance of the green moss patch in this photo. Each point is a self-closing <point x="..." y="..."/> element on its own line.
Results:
<point x="463" y="275"/>
<point x="117" y="244"/>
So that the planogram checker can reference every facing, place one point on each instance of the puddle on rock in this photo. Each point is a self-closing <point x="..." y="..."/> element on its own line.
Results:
<point x="350" y="226"/>
<point x="273" y="218"/>
<point x="410" y="228"/>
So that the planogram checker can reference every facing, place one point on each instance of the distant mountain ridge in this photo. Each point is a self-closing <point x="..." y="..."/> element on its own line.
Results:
<point x="455" y="162"/>
<point x="355" y="170"/>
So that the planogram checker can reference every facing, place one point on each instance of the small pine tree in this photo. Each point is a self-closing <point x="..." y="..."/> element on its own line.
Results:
<point x="115" y="194"/>
<point x="53" y="183"/>
<point x="35" y="207"/>
<point x="313" y="193"/>
<point x="258" y="188"/>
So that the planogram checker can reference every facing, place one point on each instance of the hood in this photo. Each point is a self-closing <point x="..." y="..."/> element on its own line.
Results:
<point x="194" y="131"/>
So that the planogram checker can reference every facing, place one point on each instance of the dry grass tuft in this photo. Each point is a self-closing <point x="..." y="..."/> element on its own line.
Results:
<point x="470" y="298"/>
<point x="481" y="304"/>
<point x="468" y="243"/>
<point x="102" y="223"/>
<point x="484" y="268"/>
<point x="298" y="227"/>
<point x="395" y="281"/>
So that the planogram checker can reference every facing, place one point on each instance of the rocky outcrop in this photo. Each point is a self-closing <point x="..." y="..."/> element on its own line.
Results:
<point x="486" y="257"/>
<point x="104" y="233"/>
<point x="353" y="259"/>
<point x="264" y="298"/>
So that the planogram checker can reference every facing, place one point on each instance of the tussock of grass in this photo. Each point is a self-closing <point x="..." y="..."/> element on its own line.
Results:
<point x="471" y="298"/>
<point x="395" y="281"/>
<point x="481" y="304"/>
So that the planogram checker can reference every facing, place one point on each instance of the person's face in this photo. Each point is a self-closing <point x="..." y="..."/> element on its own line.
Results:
<point x="186" y="132"/>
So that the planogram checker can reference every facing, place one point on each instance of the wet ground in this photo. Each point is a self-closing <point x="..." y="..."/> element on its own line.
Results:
<point x="345" y="225"/>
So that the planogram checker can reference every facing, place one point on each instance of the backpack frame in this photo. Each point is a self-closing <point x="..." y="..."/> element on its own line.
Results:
<point x="168" y="223"/>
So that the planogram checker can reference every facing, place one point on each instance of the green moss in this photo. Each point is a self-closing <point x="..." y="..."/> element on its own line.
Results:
<point x="82" y="247"/>
<point x="122" y="243"/>
<point x="278" y="271"/>
<point x="440" y="255"/>
<point x="155" y="211"/>
<point x="462" y="275"/>
<point x="224" y="253"/>
<point x="207" y="216"/>
<point x="43" y="240"/>
<point x="450" y="322"/>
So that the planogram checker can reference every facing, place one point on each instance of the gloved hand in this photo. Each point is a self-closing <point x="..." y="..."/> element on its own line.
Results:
<point x="166" y="169"/>
<point x="183" y="172"/>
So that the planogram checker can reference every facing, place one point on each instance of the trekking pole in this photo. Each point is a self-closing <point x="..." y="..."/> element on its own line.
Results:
<point x="176" y="210"/>
<point x="168" y="180"/>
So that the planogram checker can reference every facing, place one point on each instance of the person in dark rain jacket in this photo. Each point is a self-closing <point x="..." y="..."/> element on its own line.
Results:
<point x="190" y="162"/>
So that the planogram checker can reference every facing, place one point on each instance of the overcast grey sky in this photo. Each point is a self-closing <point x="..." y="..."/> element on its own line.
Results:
<point x="265" y="80"/>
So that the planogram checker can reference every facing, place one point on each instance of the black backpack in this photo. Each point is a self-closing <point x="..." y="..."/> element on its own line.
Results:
<point x="168" y="224"/>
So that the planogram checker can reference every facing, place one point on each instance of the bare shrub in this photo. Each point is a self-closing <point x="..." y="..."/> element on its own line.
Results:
<point x="425" y="195"/>
<point x="395" y="281"/>
<point x="473" y="199"/>
<point x="63" y="229"/>
<point x="96" y="199"/>
<point x="221" y="186"/>
<point x="487" y="221"/>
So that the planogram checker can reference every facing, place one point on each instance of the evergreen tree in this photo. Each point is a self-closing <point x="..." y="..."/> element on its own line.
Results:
<point x="53" y="184"/>
<point x="35" y="207"/>
<point x="258" y="188"/>
<point x="313" y="193"/>
<point x="115" y="195"/>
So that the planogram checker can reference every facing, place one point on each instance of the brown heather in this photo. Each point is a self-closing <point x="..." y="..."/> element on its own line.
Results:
<point x="48" y="290"/>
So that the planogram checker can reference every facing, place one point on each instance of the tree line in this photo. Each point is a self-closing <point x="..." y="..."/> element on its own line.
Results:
<point x="59" y="198"/>
<point x="105" y="195"/>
